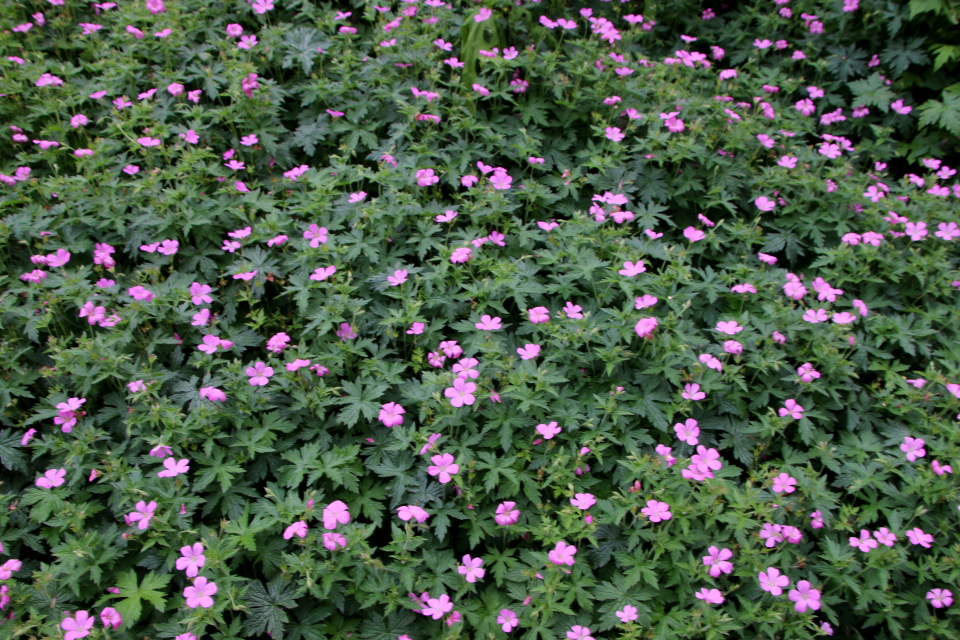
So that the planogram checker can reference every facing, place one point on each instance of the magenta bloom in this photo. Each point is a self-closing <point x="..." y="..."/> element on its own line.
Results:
<point x="729" y="327"/>
<point x="335" y="513"/>
<point x="192" y="559"/>
<point x="391" y="414"/>
<point x="940" y="598"/>
<point x="548" y="431"/>
<point x="913" y="447"/>
<point x="333" y="540"/>
<point x="645" y="327"/>
<point x="139" y="293"/>
<point x="409" y="511"/>
<point x="805" y="597"/>
<point x="507" y="620"/>
<point x="506" y="514"/>
<point x="710" y="596"/>
<point x="783" y="483"/>
<point x="461" y="254"/>
<point x="143" y="513"/>
<point x="792" y="409"/>
<point x="563" y="554"/>
<point x="398" y="278"/>
<point x="539" y="315"/>
<point x="444" y="467"/>
<point x="692" y="392"/>
<point x="631" y="269"/>
<point x="687" y="431"/>
<point x="299" y="529"/>
<point x="111" y="618"/>
<point x="461" y="393"/>
<point x="51" y="478"/>
<point x="200" y="594"/>
<point x="470" y="569"/>
<point x="657" y="511"/>
<point x="259" y="374"/>
<point x="864" y="542"/>
<point x="316" y="235"/>
<point x="78" y="626"/>
<point x="918" y="537"/>
<point x="488" y="323"/>
<point x="69" y="414"/>
<point x="718" y="561"/>
<point x="426" y="177"/>
<point x="583" y="501"/>
<point x="529" y="351"/>
<point x="173" y="468"/>
<point x="212" y="394"/>
<point x="772" y="581"/>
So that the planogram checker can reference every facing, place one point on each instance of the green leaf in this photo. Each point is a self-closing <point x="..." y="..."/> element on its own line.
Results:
<point x="265" y="607"/>
<point x="872" y="92"/>
<point x="151" y="589"/>
<point x="944" y="114"/>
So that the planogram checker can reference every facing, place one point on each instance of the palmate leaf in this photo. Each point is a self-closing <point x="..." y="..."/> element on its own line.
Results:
<point x="872" y="92"/>
<point x="944" y="114"/>
<point x="300" y="45"/>
<point x="151" y="589"/>
<point x="265" y="607"/>
<point x="10" y="457"/>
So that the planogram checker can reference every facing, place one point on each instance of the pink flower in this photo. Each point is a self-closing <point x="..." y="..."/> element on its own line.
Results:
<point x="538" y="315"/>
<point x="710" y="596"/>
<point x="398" y="278"/>
<point x="579" y="633"/>
<point x="416" y="329"/>
<point x="645" y="327"/>
<point x="346" y="332"/>
<point x="69" y="414"/>
<point x="391" y="414"/>
<point x="805" y="597"/>
<point x="335" y="513"/>
<point x="322" y="273"/>
<point x="630" y="269"/>
<point x="718" y="561"/>
<point x="212" y="394"/>
<point x="583" y="501"/>
<point x="627" y="614"/>
<point x="51" y="478"/>
<point x="296" y="529"/>
<point x="111" y="618"/>
<point x="461" y="393"/>
<point x="884" y="536"/>
<point x="507" y="620"/>
<point x="807" y="373"/>
<point x="687" y="431"/>
<point x="792" y="409"/>
<point x="488" y="323"/>
<point x="77" y="626"/>
<point x="529" y="351"/>
<point x="941" y="469"/>
<point x="470" y="569"/>
<point x="260" y="374"/>
<point x="173" y="468"/>
<point x="918" y="537"/>
<point x="482" y="15"/>
<point x="548" y="431"/>
<point x="142" y="514"/>
<point x="940" y="598"/>
<point x="460" y="255"/>
<point x="783" y="483"/>
<point x="657" y="511"/>
<point x="765" y="204"/>
<point x="506" y="514"/>
<point x="426" y="177"/>
<point x="192" y="559"/>
<point x="614" y="134"/>
<point x="864" y="543"/>
<point x="816" y="520"/>
<point x="139" y="293"/>
<point x="692" y="392"/>
<point x="501" y="180"/>
<point x="729" y="327"/>
<point x="444" y="467"/>
<point x="333" y="540"/>
<point x="771" y="580"/>
<point x="436" y="607"/>
<point x="200" y="594"/>
<point x="693" y="235"/>
<point x="913" y="447"/>
<point x="563" y="554"/>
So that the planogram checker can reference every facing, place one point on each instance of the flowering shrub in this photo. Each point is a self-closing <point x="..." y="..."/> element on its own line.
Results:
<point x="437" y="319"/>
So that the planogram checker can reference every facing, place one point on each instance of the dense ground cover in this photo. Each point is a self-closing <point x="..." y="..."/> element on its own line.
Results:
<point x="486" y="320"/>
